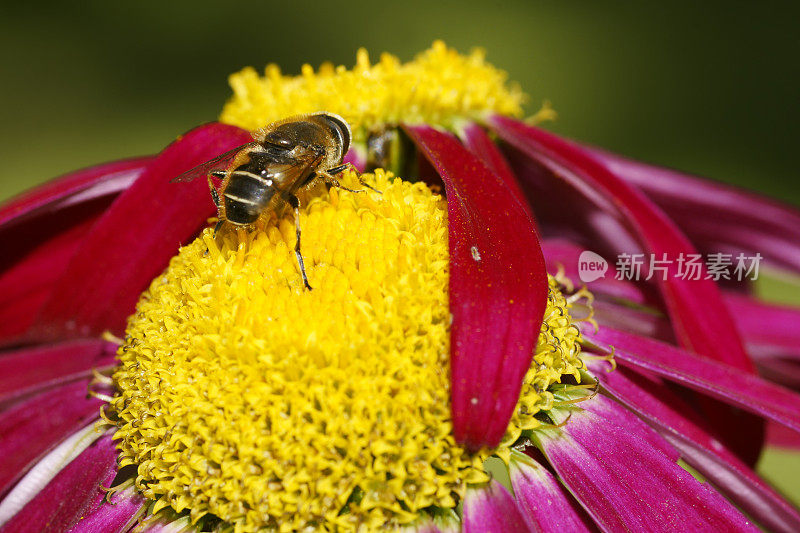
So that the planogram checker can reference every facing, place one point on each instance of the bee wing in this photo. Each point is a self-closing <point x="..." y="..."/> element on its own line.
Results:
<point x="221" y="161"/>
<point x="294" y="173"/>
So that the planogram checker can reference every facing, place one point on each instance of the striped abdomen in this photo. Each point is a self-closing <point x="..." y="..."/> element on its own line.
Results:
<point x="247" y="194"/>
<point x="253" y="185"/>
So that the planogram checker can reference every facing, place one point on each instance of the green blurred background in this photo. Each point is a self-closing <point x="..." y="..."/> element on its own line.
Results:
<point x="710" y="89"/>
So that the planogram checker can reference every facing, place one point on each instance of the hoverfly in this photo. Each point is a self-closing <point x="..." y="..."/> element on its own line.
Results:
<point x="264" y="176"/>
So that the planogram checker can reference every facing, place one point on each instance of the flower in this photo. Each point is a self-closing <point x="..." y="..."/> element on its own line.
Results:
<point x="435" y="355"/>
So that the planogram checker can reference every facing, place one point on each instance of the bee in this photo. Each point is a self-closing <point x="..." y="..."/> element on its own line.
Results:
<point x="264" y="176"/>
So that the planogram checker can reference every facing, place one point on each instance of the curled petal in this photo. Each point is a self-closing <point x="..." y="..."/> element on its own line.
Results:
<point x="80" y="186"/>
<point x="41" y="232"/>
<point x="498" y="290"/>
<point x="135" y="238"/>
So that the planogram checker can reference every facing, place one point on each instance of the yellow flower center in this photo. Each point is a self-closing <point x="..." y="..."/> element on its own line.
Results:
<point x="243" y="395"/>
<point x="439" y="87"/>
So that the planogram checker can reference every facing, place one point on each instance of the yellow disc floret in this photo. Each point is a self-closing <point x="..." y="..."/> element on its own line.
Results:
<point x="244" y="395"/>
<point x="438" y="87"/>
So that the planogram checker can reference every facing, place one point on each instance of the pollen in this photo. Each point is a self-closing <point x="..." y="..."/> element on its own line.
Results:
<point x="243" y="395"/>
<point x="438" y="87"/>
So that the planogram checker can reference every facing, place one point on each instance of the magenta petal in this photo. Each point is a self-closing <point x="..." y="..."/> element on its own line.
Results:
<point x="357" y="158"/>
<point x="492" y="508"/>
<point x="133" y="242"/>
<point x="701" y="320"/>
<point x="626" y="485"/>
<point x="716" y="216"/>
<point x="699" y="373"/>
<point x="29" y="275"/>
<point x="75" y="492"/>
<point x="697" y="313"/>
<point x="778" y="370"/>
<point x="771" y="328"/>
<point x="644" y="323"/>
<point x="656" y="404"/>
<point x="619" y="419"/>
<point x="777" y="356"/>
<point x="37" y="249"/>
<point x="479" y="143"/>
<point x="543" y="500"/>
<point x="28" y="369"/>
<point x="562" y="254"/>
<point x="782" y="437"/>
<point x="114" y="515"/>
<point x="498" y="290"/>
<point x="32" y="427"/>
<point x="41" y="231"/>
<point x="712" y="235"/>
<point x="772" y="337"/>
<point x="79" y="186"/>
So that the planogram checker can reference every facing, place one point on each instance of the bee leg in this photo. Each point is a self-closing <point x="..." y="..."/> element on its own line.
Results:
<point x="295" y="203"/>
<point x="331" y="181"/>
<point x="367" y="185"/>
<point x="345" y="166"/>
<point x="214" y="193"/>
<point x="340" y="168"/>
<point x="215" y="198"/>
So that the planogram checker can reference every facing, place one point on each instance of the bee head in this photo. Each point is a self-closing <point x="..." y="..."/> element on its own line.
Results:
<point x="325" y="132"/>
<point x="340" y="129"/>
